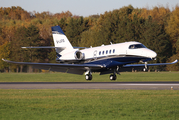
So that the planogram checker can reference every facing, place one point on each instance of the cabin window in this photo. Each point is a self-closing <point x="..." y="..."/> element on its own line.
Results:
<point x="109" y="51"/>
<point x="136" y="46"/>
<point x="106" y="51"/>
<point x="103" y="52"/>
<point x="113" y="50"/>
<point x="100" y="53"/>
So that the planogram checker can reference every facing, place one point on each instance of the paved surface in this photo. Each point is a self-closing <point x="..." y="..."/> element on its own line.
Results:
<point x="91" y="85"/>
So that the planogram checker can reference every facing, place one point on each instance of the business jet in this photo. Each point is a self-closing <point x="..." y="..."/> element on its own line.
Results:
<point x="105" y="59"/>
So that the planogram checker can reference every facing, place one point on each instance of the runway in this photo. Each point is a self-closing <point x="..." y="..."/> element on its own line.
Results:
<point x="91" y="85"/>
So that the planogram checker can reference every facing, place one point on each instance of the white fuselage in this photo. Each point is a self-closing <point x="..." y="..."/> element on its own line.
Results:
<point x="135" y="49"/>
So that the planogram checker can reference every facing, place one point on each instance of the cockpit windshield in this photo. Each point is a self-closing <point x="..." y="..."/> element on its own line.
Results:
<point x="136" y="46"/>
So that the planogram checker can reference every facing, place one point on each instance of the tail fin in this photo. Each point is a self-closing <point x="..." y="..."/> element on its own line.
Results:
<point x="61" y="42"/>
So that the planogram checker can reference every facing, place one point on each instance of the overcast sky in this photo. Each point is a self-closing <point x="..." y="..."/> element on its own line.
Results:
<point x="84" y="7"/>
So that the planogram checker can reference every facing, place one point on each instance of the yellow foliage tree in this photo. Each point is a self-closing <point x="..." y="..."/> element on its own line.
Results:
<point x="173" y="67"/>
<point x="4" y="53"/>
<point x="173" y="26"/>
<point x="158" y="14"/>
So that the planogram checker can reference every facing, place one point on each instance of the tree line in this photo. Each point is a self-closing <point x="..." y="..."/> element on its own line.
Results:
<point x="156" y="28"/>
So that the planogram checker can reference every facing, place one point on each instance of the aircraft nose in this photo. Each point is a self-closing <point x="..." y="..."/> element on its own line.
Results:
<point x="152" y="54"/>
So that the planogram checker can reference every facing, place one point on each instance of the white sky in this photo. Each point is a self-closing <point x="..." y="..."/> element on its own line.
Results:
<point x="84" y="7"/>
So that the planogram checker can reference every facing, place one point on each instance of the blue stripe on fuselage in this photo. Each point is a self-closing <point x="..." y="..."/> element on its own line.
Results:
<point x="118" y="61"/>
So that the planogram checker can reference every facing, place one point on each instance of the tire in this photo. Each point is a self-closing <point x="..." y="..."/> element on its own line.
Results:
<point x="112" y="77"/>
<point x="88" y="77"/>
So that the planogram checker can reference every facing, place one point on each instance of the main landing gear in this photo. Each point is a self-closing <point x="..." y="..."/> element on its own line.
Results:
<point x="112" y="77"/>
<point x="88" y="75"/>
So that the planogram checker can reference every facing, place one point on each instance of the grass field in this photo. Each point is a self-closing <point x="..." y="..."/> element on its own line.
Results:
<point x="89" y="104"/>
<point x="63" y="77"/>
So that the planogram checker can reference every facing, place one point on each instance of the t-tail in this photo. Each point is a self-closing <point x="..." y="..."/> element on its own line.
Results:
<point x="61" y="42"/>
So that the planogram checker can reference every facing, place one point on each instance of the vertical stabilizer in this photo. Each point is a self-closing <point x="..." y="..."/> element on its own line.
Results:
<point x="60" y="40"/>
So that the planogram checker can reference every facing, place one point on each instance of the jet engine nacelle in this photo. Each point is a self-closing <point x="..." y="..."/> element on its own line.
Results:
<point x="75" y="55"/>
<point x="79" y="55"/>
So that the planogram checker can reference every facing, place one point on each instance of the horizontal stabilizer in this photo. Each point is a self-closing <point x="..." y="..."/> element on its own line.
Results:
<point x="62" y="48"/>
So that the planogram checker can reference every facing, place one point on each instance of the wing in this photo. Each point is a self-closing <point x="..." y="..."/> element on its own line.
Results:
<point x="129" y="67"/>
<point x="68" y="68"/>
<point x="155" y="64"/>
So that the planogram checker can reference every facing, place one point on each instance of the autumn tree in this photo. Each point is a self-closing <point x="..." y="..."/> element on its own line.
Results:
<point x="26" y="37"/>
<point x="157" y="28"/>
<point x="63" y="15"/>
<point x="155" y="38"/>
<point x="75" y="28"/>
<point x="173" y="27"/>
<point x="17" y="53"/>
<point x="4" y="53"/>
<point x="15" y="13"/>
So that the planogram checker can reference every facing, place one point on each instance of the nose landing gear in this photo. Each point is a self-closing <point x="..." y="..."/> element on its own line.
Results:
<point x="145" y="69"/>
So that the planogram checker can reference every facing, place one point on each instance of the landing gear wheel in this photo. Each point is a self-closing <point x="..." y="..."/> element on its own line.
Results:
<point x="145" y="69"/>
<point x="112" y="77"/>
<point x="88" y="77"/>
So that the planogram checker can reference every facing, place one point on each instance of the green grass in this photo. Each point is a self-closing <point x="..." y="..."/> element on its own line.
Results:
<point x="89" y="104"/>
<point x="63" y="77"/>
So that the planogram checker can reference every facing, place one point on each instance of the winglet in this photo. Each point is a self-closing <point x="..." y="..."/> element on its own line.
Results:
<point x="4" y="60"/>
<point x="175" y="61"/>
